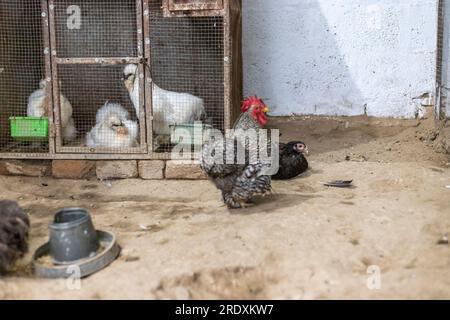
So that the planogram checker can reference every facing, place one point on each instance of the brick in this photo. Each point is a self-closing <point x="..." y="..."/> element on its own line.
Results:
<point x="3" y="171"/>
<point x="152" y="169"/>
<point x="180" y="171"/>
<point x="27" y="168"/>
<point x="73" y="169"/>
<point x="116" y="169"/>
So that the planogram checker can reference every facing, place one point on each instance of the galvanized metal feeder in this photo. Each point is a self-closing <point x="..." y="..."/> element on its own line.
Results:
<point x="75" y="248"/>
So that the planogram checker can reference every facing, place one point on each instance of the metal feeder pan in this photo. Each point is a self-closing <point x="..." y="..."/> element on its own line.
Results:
<point x="86" y="266"/>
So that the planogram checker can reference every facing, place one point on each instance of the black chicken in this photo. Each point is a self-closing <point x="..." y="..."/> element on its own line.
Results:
<point x="292" y="160"/>
<point x="14" y="225"/>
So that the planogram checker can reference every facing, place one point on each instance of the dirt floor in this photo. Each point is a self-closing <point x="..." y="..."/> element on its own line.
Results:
<point x="305" y="242"/>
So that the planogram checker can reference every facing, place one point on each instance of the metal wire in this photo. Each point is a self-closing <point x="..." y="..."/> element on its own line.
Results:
<point x="21" y="67"/>
<point x="441" y="98"/>
<point x="100" y="28"/>
<point x="89" y="87"/>
<point x="187" y="56"/>
<point x="187" y="70"/>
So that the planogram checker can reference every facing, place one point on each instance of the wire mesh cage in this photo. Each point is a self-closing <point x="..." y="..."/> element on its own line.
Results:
<point x="91" y="49"/>
<point x="115" y="78"/>
<point x="101" y="28"/>
<point x="22" y="67"/>
<point x="442" y="63"/>
<point x="187" y="64"/>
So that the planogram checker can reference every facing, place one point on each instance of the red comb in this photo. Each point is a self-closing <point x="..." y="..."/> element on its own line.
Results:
<point x="254" y="100"/>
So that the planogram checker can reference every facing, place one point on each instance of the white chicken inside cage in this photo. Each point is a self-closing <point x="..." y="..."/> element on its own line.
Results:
<point x="113" y="126"/>
<point x="169" y="109"/>
<point x="115" y="82"/>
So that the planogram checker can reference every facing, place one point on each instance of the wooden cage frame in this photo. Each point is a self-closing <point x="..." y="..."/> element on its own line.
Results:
<point x="230" y="10"/>
<point x="440" y="109"/>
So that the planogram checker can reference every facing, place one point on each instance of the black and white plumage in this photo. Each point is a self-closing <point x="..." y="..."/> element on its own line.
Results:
<point x="14" y="225"/>
<point x="113" y="128"/>
<point x="243" y="177"/>
<point x="238" y="182"/>
<point x="292" y="160"/>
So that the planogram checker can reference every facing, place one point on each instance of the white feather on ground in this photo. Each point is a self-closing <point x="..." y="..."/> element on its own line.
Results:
<point x="113" y="128"/>
<point x="38" y="104"/>
<point x="169" y="108"/>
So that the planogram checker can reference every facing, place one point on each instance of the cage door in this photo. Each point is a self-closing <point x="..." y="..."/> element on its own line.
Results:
<point x="98" y="76"/>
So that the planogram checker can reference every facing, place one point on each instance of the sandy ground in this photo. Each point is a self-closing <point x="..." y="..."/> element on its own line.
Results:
<point x="304" y="242"/>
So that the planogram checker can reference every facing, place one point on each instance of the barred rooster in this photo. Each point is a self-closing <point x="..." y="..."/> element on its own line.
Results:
<point x="239" y="182"/>
<point x="253" y="116"/>
<point x="14" y="225"/>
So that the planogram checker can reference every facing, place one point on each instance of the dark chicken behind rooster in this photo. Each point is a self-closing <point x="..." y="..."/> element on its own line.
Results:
<point x="14" y="225"/>
<point x="292" y="160"/>
<point x="239" y="182"/>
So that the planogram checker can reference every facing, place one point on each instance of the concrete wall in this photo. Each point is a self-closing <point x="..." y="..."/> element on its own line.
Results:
<point x="340" y="57"/>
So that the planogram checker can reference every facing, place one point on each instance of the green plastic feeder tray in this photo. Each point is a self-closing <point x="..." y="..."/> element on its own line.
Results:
<point x="29" y="128"/>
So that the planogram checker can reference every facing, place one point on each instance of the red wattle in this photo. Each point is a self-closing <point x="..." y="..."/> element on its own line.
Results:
<point x="260" y="117"/>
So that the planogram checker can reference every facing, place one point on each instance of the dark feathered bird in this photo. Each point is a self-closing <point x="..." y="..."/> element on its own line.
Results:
<point x="292" y="160"/>
<point x="14" y="225"/>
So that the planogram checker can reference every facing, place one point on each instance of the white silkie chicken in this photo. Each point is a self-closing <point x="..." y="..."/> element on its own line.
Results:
<point x="169" y="108"/>
<point x="113" y="128"/>
<point x="38" y="107"/>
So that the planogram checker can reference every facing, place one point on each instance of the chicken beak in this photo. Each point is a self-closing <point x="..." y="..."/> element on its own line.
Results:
<point x="266" y="109"/>
<point x="306" y="151"/>
<point x="122" y="130"/>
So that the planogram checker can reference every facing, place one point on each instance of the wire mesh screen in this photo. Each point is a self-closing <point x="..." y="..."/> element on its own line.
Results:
<point x="100" y="28"/>
<point x="21" y="70"/>
<point x="92" y="52"/>
<point x="187" y="63"/>
<point x="97" y="106"/>
<point x="102" y="111"/>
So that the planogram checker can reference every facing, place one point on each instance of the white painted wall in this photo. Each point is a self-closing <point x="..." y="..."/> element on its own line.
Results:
<point x="340" y="57"/>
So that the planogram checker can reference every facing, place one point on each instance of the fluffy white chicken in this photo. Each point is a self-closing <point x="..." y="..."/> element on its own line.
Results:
<point x="38" y="107"/>
<point x="113" y="128"/>
<point x="169" y="108"/>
